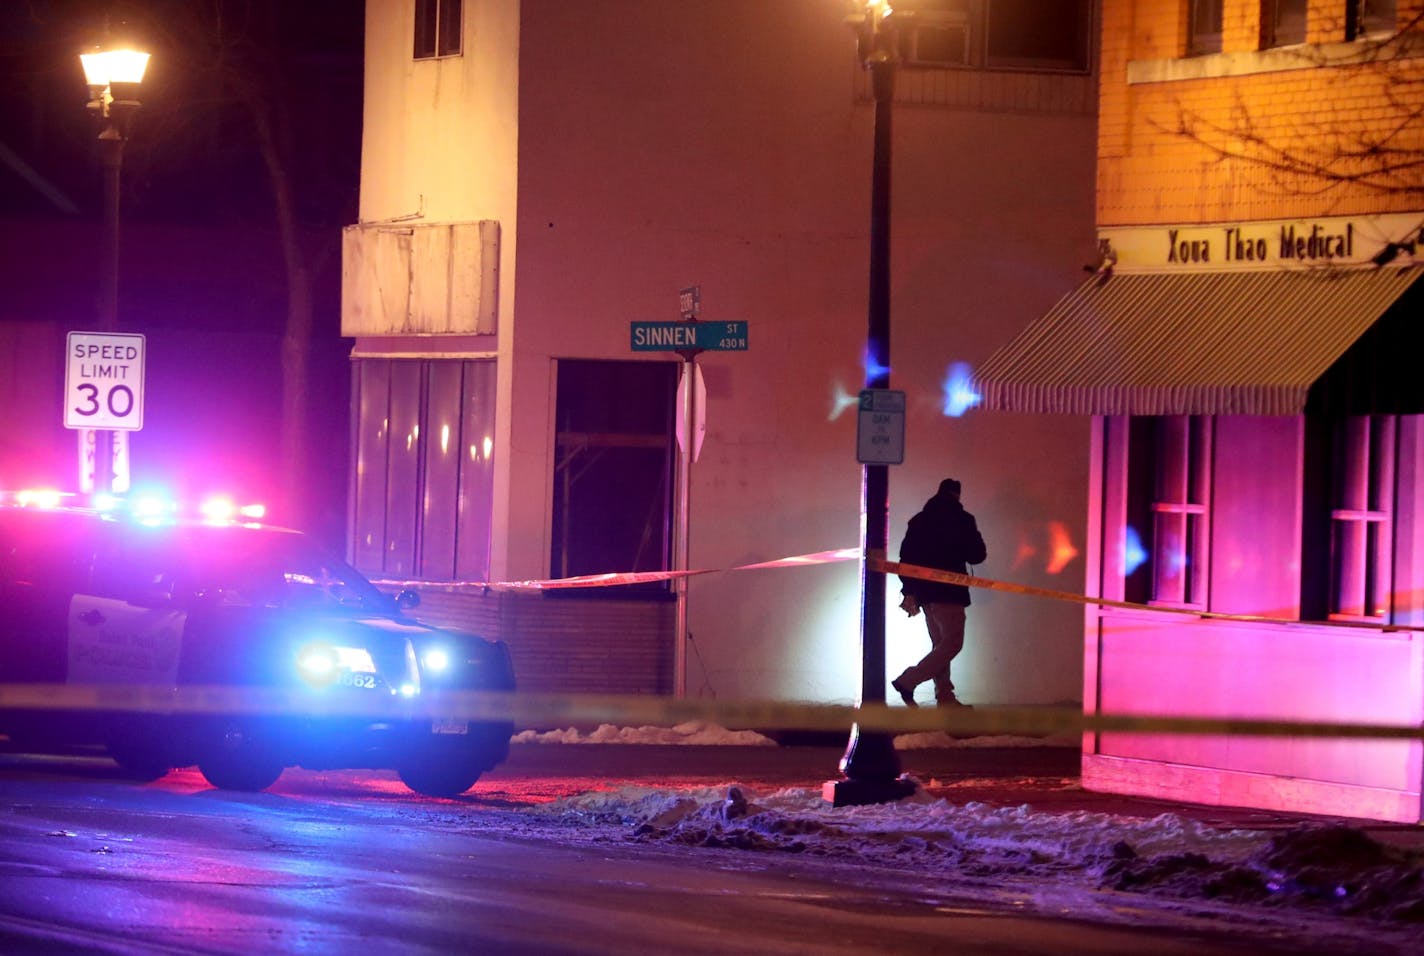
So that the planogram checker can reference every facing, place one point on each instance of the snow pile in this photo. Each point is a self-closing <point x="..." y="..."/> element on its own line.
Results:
<point x="1336" y="868"/>
<point x="694" y="732"/>
<point x="701" y="733"/>
<point x="1329" y="869"/>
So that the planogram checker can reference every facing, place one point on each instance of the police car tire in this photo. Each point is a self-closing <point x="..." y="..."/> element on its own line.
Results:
<point x="438" y="780"/>
<point x="238" y="761"/>
<point x="235" y="773"/>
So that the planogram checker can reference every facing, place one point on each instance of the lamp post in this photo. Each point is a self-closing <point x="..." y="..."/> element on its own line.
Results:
<point x="113" y="73"/>
<point x="870" y="763"/>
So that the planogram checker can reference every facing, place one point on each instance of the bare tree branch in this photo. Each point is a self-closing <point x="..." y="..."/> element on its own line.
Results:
<point x="1324" y="147"/>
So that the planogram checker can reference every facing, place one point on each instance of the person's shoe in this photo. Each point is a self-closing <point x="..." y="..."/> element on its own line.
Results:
<point x="906" y="694"/>
<point x="954" y="703"/>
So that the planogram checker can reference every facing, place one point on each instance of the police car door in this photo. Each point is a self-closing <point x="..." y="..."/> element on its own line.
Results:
<point x="126" y="628"/>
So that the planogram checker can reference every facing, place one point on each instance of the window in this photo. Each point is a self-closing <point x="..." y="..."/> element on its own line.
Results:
<point x="437" y="28"/>
<point x="424" y="468"/>
<point x="1369" y="17"/>
<point x="1204" y="27"/>
<point x="613" y="470"/>
<point x="1362" y="478"/>
<point x="1053" y="35"/>
<point x="1284" y="22"/>
<point x="1168" y="506"/>
<point x="139" y="569"/>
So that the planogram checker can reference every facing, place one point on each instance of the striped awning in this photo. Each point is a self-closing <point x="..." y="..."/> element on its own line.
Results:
<point x="1221" y="343"/>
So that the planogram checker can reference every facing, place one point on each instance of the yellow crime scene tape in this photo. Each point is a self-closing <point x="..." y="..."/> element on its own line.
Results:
<point x="617" y="578"/>
<point x="530" y="710"/>
<point x="877" y="562"/>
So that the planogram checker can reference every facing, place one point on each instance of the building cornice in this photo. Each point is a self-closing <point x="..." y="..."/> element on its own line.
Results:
<point x="1300" y="57"/>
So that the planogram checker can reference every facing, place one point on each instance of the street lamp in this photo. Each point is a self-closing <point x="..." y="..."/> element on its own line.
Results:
<point x="870" y="764"/>
<point x="113" y="73"/>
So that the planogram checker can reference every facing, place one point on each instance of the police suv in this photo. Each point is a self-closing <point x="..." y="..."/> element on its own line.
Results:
<point x="305" y="662"/>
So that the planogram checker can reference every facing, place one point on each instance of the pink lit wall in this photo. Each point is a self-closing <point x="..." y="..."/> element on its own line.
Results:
<point x="1167" y="664"/>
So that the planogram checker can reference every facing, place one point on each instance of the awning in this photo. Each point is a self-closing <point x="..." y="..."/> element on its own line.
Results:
<point x="1220" y="343"/>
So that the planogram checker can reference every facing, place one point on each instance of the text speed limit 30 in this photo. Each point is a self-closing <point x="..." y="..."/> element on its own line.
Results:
<point x="103" y="380"/>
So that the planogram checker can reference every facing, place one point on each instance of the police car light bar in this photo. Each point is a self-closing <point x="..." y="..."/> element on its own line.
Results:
<point x="146" y="507"/>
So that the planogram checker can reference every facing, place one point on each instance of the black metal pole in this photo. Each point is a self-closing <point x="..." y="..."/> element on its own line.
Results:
<point x="111" y="148"/>
<point x="111" y="157"/>
<point x="875" y="481"/>
<point x="870" y="759"/>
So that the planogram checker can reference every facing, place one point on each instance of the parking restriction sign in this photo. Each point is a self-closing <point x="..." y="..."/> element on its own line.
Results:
<point x="880" y="428"/>
<point x="103" y="380"/>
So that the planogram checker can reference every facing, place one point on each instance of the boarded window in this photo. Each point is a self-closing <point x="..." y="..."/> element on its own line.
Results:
<point x="424" y="468"/>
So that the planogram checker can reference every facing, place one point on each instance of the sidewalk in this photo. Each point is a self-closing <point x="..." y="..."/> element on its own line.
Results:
<point x="1045" y="778"/>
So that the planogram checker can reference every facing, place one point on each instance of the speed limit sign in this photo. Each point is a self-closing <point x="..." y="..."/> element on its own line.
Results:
<point x="103" y="381"/>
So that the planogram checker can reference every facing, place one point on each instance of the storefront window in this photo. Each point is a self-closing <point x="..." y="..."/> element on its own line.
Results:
<point x="1362" y="499"/>
<point x="1169" y="500"/>
<point x="613" y="470"/>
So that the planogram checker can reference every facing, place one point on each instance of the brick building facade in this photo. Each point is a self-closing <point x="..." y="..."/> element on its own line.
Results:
<point x="1257" y="450"/>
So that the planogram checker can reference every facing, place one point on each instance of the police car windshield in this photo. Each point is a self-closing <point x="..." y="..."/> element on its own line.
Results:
<point x="268" y="568"/>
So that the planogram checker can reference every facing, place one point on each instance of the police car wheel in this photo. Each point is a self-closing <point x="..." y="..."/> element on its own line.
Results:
<point x="237" y="760"/>
<point x="438" y="780"/>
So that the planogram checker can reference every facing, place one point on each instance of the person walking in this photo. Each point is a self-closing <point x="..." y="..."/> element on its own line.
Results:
<point x="944" y="536"/>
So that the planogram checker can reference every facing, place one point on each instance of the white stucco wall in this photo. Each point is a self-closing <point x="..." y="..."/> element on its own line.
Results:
<point x="440" y="144"/>
<point x="666" y="143"/>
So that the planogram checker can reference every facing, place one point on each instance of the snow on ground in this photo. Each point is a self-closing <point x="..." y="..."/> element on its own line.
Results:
<point x="700" y="733"/>
<point x="1317" y="867"/>
<point x="693" y="732"/>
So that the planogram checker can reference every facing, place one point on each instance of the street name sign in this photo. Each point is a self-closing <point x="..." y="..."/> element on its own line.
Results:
<point x="103" y="381"/>
<point x="880" y="427"/>
<point x="679" y="336"/>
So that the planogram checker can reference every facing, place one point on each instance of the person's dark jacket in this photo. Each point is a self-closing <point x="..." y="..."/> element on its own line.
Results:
<point x="945" y="536"/>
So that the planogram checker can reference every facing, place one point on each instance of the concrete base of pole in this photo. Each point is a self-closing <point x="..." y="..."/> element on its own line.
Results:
<point x="872" y="770"/>
<point x="860" y="793"/>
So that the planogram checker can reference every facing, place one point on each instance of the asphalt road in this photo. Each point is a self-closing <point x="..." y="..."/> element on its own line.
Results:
<point x="352" y="862"/>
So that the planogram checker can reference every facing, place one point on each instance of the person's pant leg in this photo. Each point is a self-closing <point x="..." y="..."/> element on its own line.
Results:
<point x="945" y="623"/>
<point x="946" y="627"/>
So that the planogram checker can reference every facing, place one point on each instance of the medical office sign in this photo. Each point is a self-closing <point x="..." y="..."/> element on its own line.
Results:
<point x="1271" y="243"/>
<point x="103" y="381"/>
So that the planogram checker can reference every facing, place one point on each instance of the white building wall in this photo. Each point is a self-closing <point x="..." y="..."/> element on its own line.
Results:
<point x="440" y="144"/>
<point x="666" y="143"/>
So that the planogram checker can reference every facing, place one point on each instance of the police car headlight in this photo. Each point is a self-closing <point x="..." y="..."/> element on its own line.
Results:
<point x="317" y="664"/>
<point x="436" y="660"/>
<point x="321" y="664"/>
